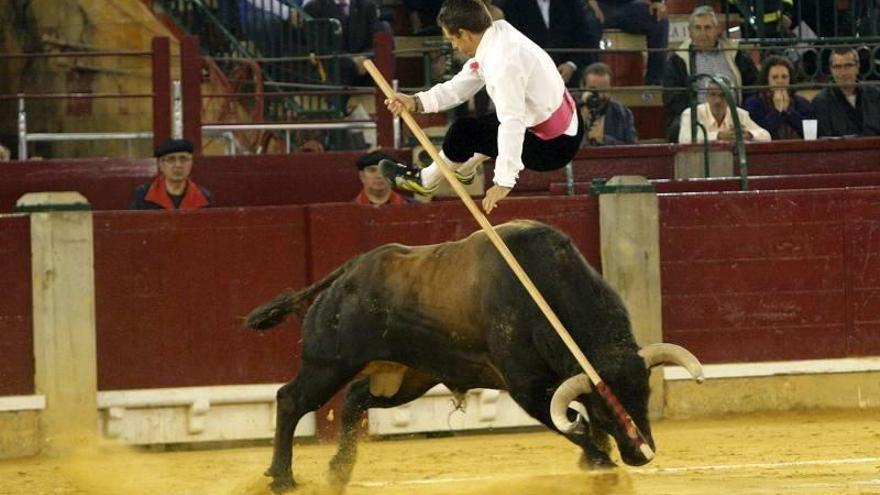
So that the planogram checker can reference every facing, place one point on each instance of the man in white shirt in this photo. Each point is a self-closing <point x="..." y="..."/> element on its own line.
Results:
<point x="536" y="124"/>
<point x="716" y="118"/>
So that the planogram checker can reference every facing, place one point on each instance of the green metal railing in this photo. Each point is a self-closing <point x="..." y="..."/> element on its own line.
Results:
<point x="737" y="125"/>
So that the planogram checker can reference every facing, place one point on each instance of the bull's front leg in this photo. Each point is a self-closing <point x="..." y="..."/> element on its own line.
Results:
<point x="533" y="395"/>
<point x="597" y="449"/>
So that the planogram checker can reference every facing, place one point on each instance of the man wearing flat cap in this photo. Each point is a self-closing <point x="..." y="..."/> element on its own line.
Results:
<point x="172" y="189"/>
<point x="377" y="190"/>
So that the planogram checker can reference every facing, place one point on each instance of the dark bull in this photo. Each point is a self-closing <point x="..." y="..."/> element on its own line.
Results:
<point x="409" y="318"/>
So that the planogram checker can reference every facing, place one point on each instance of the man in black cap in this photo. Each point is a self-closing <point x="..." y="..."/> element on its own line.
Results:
<point x="172" y="189"/>
<point x="377" y="190"/>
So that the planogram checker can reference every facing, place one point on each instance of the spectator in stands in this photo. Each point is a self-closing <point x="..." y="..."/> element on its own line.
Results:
<point x="777" y="15"/>
<point x="647" y="17"/>
<point x="777" y="108"/>
<point x="714" y="55"/>
<point x="172" y="189"/>
<point x="608" y="122"/>
<point x="716" y="118"/>
<point x="4" y="153"/>
<point x="360" y="22"/>
<point x="555" y="24"/>
<point x="423" y="15"/>
<point x="269" y="24"/>
<point x="377" y="190"/>
<point x="848" y="109"/>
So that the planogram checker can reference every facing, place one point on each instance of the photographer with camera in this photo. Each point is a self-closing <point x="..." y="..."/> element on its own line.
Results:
<point x="608" y="122"/>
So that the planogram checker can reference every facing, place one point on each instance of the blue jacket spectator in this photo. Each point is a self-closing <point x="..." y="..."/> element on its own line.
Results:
<point x="777" y="109"/>
<point x="606" y="122"/>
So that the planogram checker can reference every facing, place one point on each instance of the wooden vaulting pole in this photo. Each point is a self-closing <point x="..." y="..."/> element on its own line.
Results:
<point x="623" y="417"/>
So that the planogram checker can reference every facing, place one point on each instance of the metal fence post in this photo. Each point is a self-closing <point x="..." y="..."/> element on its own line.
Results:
<point x="176" y="111"/>
<point x="22" y="129"/>
<point x="385" y="63"/>
<point x="191" y="81"/>
<point x="161" y="61"/>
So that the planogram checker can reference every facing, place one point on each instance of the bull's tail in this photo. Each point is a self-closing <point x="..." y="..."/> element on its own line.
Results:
<point x="273" y="312"/>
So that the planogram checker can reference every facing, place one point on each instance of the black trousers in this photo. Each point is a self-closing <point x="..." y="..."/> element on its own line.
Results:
<point x="469" y="135"/>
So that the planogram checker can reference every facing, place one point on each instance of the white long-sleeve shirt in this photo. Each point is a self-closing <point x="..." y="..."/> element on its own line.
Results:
<point x="705" y="117"/>
<point x="522" y="81"/>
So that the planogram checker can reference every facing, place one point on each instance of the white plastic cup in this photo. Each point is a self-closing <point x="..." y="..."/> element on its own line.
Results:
<point x="811" y="127"/>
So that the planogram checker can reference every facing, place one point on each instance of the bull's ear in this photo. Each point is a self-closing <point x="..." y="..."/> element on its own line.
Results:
<point x="657" y="354"/>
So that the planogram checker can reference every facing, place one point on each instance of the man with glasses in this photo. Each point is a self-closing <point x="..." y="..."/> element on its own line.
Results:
<point x="848" y="108"/>
<point x="172" y="189"/>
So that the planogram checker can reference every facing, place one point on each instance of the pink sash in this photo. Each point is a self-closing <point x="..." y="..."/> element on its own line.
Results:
<point x="557" y="123"/>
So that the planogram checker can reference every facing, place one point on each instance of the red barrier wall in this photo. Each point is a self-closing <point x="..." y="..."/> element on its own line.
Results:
<point x="107" y="183"/>
<point x="256" y="180"/>
<point x="16" y="321"/>
<point x="759" y="276"/>
<point x="338" y="232"/>
<point x="309" y="178"/>
<point x="863" y="271"/>
<point x="658" y="161"/>
<point x="761" y="183"/>
<point x="745" y="277"/>
<point x="172" y="289"/>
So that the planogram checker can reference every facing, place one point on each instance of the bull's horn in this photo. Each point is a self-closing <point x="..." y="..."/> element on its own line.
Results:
<point x="655" y="354"/>
<point x="564" y="395"/>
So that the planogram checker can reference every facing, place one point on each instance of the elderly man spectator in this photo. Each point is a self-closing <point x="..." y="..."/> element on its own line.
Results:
<point x="608" y="122"/>
<point x="553" y="24"/>
<point x="647" y="17"/>
<point x="377" y="190"/>
<point x="714" y="55"/>
<point x="172" y="189"/>
<point x="715" y="115"/>
<point x="847" y="109"/>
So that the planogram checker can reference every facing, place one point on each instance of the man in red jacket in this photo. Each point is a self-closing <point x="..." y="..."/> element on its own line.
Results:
<point x="377" y="190"/>
<point x="172" y="189"/>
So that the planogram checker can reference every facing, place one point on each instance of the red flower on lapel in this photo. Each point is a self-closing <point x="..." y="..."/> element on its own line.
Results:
<point x="475" y="66"/>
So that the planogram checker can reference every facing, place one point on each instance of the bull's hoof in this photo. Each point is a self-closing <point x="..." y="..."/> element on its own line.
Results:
<point x="340" y="471"/>
<point x="596" y="463"/>
<point x="281" y="482"/>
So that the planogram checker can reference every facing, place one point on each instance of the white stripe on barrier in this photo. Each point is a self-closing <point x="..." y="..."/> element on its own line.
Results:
<point x="635" y="471"/>
<point x="22" y="403"/>
<point x="773" y="368"/>
<point x="184" y="396"/>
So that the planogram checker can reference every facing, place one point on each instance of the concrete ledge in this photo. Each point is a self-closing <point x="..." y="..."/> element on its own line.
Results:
<point x="772" y="368"/>
<point x="20" y="434"/>
<point x="192" y="414"/>
<point x="781" y="392"/>
<point x="22" y="403"/>
<point x="481" y="409"/>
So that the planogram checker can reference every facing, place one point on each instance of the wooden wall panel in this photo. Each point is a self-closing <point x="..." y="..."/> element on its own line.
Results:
<point x="755" y="276"/>
<point x="16" y="320"/>
<point x="173" y="288"/>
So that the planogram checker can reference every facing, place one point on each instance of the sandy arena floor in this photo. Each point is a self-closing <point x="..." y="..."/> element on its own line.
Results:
<point x="801" y="453"/>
